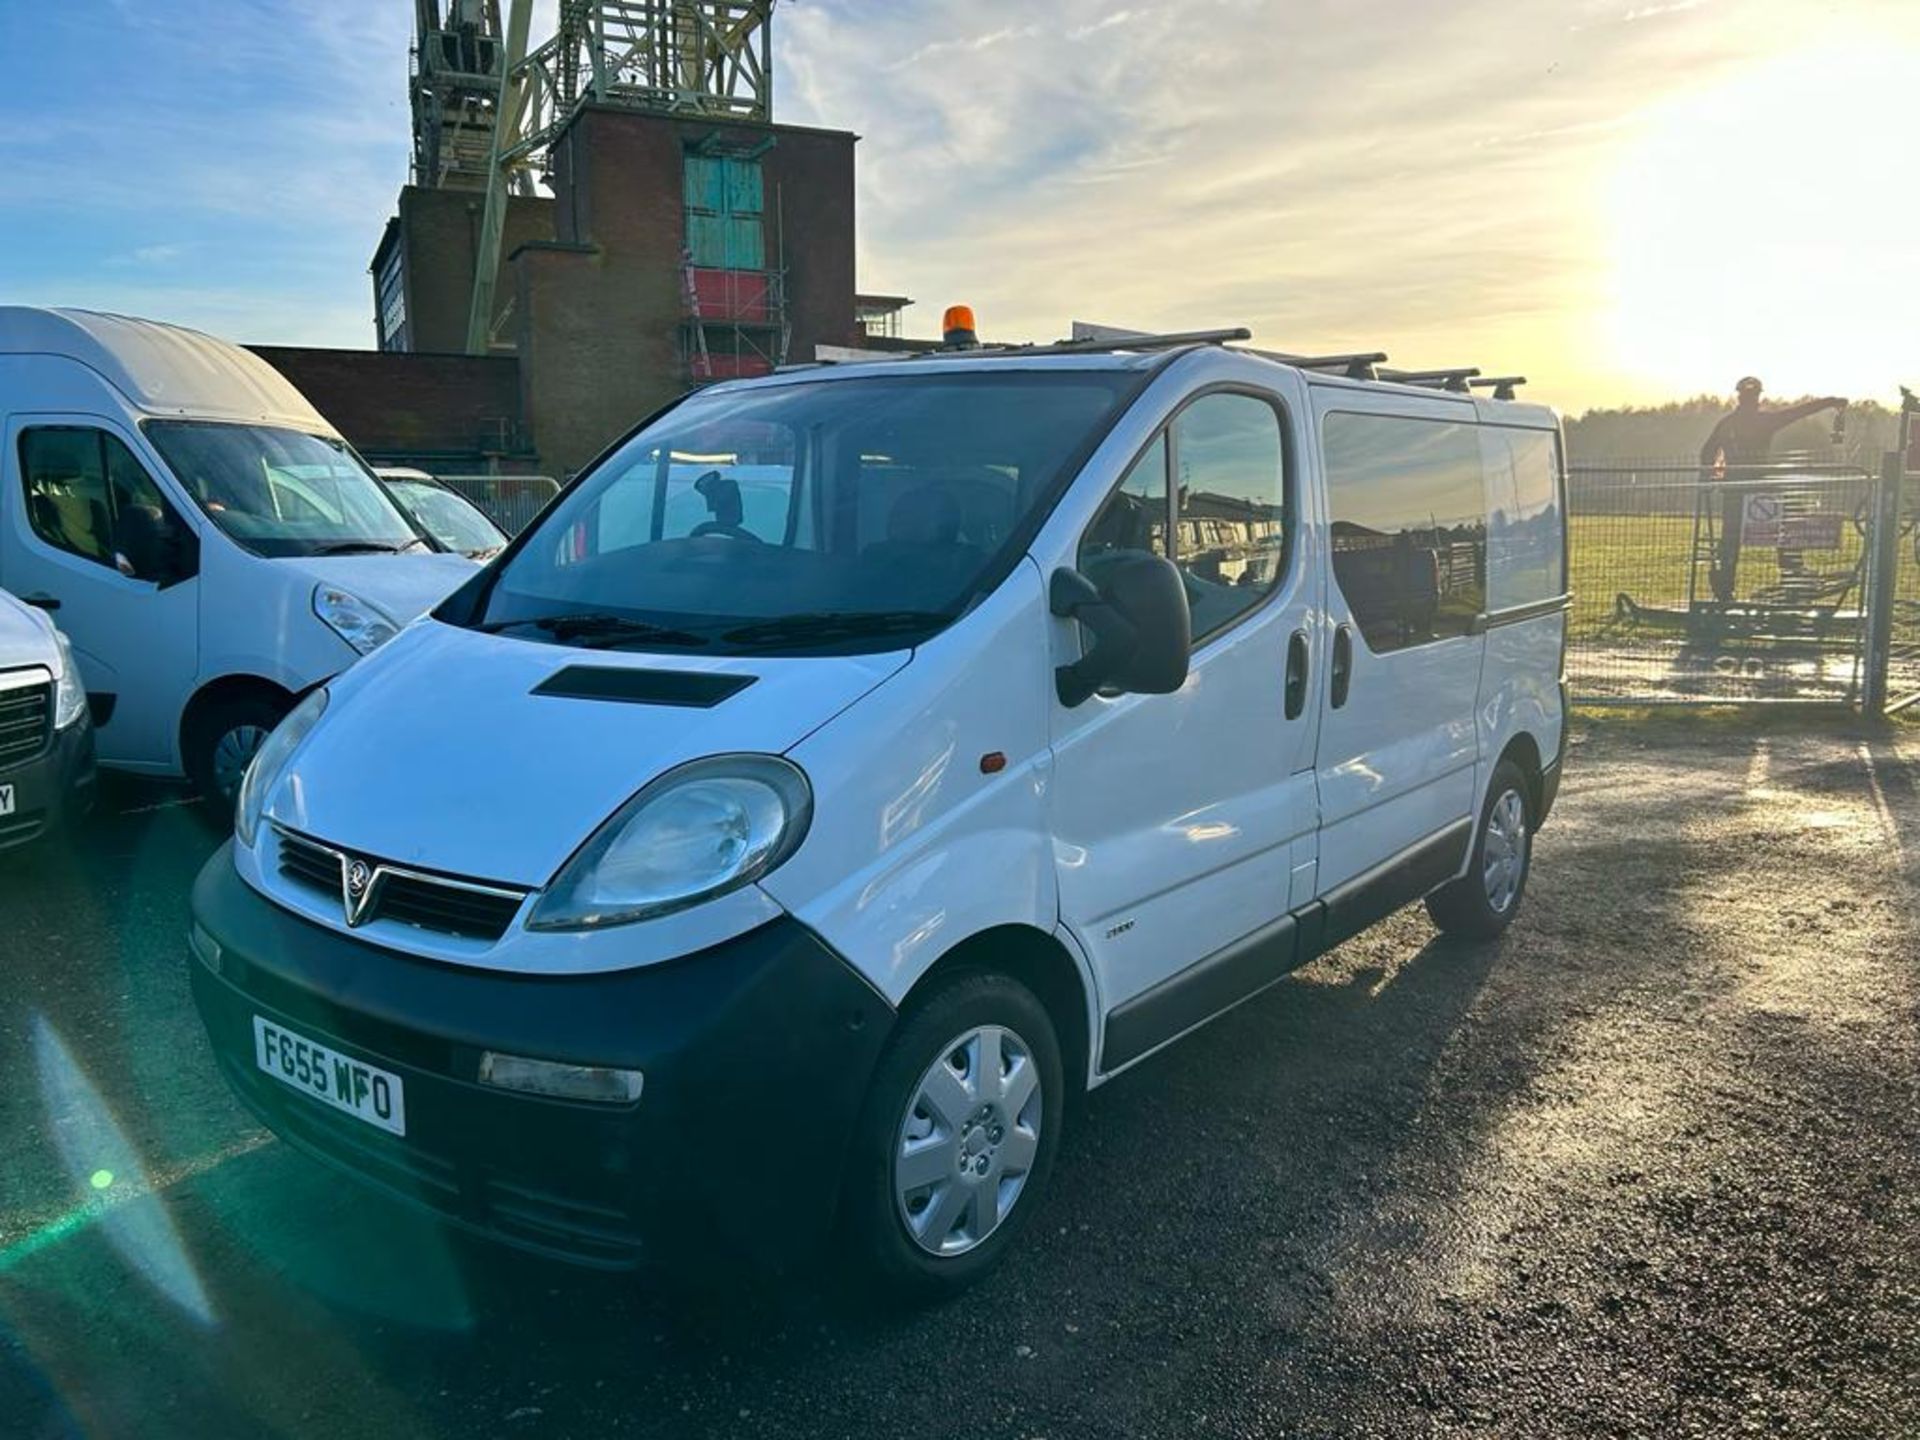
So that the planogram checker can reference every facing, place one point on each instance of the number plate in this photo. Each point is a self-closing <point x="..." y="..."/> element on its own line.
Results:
<point x="364" y="1091"/>
<point x="6" y="799"/>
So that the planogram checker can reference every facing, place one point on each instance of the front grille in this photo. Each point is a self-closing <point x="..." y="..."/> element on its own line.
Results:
<point x="472" y="909"/>
<point x="26" y="719"/>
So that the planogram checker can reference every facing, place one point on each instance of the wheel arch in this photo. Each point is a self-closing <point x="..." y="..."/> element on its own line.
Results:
<point x="224" y="690"/>
<point x="1524" y="751"/>
<point x="1045" y="966"/>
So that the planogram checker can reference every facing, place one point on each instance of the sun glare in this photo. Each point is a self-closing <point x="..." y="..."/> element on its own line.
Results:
<point x="1771" y="225"/>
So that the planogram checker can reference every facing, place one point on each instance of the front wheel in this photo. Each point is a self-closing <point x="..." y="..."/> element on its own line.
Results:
<point x="224" y="742"/>
<point x="957" y="1137"/>
<point x="1482" y="903"/>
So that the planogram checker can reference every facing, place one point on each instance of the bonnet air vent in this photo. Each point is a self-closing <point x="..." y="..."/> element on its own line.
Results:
<point x="692" y="689"/>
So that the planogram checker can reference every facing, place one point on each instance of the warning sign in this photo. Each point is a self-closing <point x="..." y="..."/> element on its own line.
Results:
<point x="1768" y="518"/>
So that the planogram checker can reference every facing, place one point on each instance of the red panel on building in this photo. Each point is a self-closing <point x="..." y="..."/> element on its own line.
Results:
<point x="743" y="295"/>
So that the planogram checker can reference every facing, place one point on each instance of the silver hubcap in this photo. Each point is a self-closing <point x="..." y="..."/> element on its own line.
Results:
<point x="967" y="1141"/>
<point x="231" y="756"/>
<point x="1503" y="853"/>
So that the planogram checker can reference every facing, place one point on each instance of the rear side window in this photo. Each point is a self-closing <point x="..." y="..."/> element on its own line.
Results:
<point x="1526" y="557"/>
<point x="87" y="494"/>
<point x="1409" y="511"/>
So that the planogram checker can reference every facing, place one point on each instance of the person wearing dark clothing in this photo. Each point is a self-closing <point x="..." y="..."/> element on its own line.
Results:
<point x="1744" y="438"/>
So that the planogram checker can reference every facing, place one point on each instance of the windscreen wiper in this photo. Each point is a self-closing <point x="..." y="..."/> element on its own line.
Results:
<point x="817" y="626"/>
<point x="359" y="547"/>
<point x="598" y="631"/>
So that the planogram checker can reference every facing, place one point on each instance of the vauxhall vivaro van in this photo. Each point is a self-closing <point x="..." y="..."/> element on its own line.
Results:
<point x="857" y="762"/>
<point x="208" y="542"/>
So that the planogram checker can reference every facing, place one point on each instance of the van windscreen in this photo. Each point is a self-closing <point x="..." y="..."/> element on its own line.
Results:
<point x="829" y="516"/>
<point x="281" y="492"/>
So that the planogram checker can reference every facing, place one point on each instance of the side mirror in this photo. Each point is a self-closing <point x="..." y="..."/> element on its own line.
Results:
<point x="1142" y="631"/>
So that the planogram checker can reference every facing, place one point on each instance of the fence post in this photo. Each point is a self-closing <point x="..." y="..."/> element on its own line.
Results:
<point x="1882" y="579"/>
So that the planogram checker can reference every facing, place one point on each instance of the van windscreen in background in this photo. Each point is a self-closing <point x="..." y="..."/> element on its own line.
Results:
<point x="282" y="492"/>
<point x="832" y="516"/>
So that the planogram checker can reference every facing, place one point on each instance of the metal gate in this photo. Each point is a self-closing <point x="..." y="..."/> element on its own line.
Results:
<point x="1903" y="651"/>
<point x="1734" y="586"/>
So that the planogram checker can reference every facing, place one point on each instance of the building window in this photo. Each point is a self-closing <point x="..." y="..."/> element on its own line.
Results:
<point x="1409" y="526"/>
<point x="726" y="212"/>
<point x="390" y="301"/>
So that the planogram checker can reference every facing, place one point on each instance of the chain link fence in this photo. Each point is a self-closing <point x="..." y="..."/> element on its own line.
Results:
<point x="1741" y="585"/>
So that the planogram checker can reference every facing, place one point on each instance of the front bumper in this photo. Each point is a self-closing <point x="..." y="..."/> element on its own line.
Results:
<point x="756" y="1052"/>
<point x="52" y="789"/>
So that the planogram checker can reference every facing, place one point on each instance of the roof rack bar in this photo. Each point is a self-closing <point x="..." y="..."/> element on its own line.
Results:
<point x="1502" y="386"/>
<point x="1456" y="379"/>
<point x="1355" y="365"/>
<point x="1172" y="341"/>
<point x="1167" y="341"/>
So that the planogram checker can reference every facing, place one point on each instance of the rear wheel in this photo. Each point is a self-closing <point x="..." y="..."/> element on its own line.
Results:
<point x="957" y="1137"/>
<point x="223" y="743"/>
<point x="1482" y="903"/>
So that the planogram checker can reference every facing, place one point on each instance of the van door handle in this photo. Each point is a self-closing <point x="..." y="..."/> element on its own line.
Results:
<point x="1296" y="674"/>
<point x="40" y="600"/>
<point x="1342" y="675"/>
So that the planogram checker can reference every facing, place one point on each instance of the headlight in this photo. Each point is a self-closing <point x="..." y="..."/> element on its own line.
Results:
<point x="268" y="761"/>
<point x="697" y="832"/>
<point x="69" y="695"/>
<point x="354" y="620"/>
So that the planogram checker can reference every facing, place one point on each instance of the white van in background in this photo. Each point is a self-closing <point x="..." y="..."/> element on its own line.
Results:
<point x="46" y="744"/>
<point x="210" y="545"/>
<point x="904" y="748"/>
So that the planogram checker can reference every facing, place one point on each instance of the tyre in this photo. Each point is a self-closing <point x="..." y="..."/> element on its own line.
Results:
<point x="1482" y="903"/>
<point x="223" y="742"/>
<point x="956" y="1138"/>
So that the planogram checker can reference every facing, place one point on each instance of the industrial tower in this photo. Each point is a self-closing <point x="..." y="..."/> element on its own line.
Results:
<point x="486" y="108"/>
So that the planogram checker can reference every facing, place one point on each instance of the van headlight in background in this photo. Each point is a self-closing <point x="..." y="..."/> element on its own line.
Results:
<point x="360" y="623"/>
<point x="698" y="832"/>
<point x="69" y="695"/>
<point x="269" y="761"/>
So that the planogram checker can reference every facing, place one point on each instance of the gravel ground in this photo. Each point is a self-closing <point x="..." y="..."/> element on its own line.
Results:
<point x="1647" y="1167"/>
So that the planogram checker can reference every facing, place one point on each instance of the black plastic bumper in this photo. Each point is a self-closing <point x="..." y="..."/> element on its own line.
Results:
<point x="756" y="1054"/>
<point x="1550" y="779"/>
<point x="50" y="790"/>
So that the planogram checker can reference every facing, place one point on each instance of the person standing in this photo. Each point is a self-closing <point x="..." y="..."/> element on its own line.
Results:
<point x="1744" y="437"/>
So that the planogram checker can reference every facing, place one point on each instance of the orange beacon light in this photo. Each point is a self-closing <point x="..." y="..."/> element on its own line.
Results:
<point x="957" y="328"/>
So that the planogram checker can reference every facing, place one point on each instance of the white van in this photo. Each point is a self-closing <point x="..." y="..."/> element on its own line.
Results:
<point x="208" y="542"/>
<point x="856" y="763"/>
<point x="46" y="744"/>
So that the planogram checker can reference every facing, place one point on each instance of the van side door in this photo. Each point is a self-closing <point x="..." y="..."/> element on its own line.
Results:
<point x="1178" y="819"/>
<point x="87" y="533"/>
<point x="1398" y="748"/>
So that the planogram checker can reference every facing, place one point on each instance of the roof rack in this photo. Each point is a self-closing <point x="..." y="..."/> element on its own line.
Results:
<point x="1355" y="365"/>
<point x="1456" y="380"/>
<point x="1502" y="386"/>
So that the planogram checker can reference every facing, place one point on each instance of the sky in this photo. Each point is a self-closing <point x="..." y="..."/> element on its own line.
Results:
<point x="1626" y="200"/>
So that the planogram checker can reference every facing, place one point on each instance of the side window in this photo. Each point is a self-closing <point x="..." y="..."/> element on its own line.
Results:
<point x="90" y="495"/>
<point x="1134" y="519"/>
<point x="1230" y="515"/>
<point x="1409" y="510"/>
<point x="67" y="499"/>
<point x="1526" y="560"/>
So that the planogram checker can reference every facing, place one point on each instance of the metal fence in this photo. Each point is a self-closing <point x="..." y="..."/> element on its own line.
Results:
<point x="510" y="501"/>
<point x="1694" y="587"/>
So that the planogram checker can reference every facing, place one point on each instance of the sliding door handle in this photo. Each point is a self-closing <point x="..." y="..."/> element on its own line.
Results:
<point x="1296" y="674"/>
<point x="1341" y="677"/>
